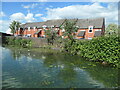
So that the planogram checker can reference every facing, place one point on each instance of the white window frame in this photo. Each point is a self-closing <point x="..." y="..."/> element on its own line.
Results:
<point x="98" y="30"/>
<point x="82" y="30"/>
<point x="90" y="29"/>
<point x="44" y="26"/>
<point x="29" y="35"/>
<point x="19" y="29"/>
<point x="63" y="30"/>
<point x="28" y="28"/>
<point x="52" y="26"/>
<point x="34" y="28"/>
<point x="89" y="38"/>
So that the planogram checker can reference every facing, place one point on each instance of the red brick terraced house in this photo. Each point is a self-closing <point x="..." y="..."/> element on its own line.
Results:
<point x="87" y="28"/>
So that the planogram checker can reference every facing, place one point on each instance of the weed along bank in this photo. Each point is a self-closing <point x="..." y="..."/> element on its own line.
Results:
<point x="86" y="28"/>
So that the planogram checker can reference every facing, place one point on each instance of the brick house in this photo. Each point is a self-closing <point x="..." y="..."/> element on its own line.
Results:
<point x="87" y="28"/>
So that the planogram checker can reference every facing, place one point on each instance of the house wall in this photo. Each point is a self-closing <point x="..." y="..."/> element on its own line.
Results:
<point x="31" y="31"/>
<point x="60" y="33"/>
<point x="88" y="34"/>
<point x="19" y="32"/>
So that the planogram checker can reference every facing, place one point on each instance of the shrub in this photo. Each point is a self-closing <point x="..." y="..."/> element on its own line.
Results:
<point x="98" y="49"/>
<point x="18" y="42"/>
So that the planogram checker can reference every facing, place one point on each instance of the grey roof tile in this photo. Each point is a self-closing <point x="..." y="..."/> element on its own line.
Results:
<point x="84" y="23"/>
<point x="56" y="22"/>
<point x="34" y="24"/>
<point x="81" y="23"/>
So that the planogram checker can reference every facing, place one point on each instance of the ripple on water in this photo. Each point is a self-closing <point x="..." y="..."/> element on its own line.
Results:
<point x="10" y="82"/>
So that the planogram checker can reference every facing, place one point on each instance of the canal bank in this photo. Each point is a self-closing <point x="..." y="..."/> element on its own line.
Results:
<point x="101" y="49"/>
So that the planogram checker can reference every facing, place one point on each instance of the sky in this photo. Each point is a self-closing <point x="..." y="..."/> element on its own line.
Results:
<point x="43" y="10"/>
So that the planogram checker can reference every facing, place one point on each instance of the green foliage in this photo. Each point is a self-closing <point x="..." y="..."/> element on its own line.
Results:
<point x="51" y="36"/>
<point x="98" y="49"/>
<point x="18" y="42"/>
<point x="14" y="26"/>
<point x="112" y="29"/>
<point x="70" y="28"/>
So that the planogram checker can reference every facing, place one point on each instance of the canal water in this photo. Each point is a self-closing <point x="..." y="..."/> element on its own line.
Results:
<point x="22" y="68"/>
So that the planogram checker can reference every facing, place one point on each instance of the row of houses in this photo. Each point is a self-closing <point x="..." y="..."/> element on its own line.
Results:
<point x="87" y="28"/>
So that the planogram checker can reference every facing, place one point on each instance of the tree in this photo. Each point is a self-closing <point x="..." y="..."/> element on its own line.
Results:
<point x="15" y="25"/>
<point x="70" y="29"/>
<point x="51" y="35"/>
<point x="112" y="29"/>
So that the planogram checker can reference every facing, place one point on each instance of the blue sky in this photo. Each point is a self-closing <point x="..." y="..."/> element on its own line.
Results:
<point x="10" y="8"/>
<point x="42" y="11"/>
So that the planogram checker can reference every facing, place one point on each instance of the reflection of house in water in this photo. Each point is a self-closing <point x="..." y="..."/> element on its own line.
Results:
<point x="87" y="28"/>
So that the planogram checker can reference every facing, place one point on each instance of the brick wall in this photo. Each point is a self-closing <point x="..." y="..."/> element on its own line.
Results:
<point x="39" y="42"/>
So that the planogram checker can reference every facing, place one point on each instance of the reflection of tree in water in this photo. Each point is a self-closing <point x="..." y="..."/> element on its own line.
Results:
<point x="16" y="54"/>
<point x="105" y="75"/>
<point x="67" y="74"/>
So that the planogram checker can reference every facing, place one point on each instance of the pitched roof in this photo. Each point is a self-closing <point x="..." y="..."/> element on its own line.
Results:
<point x="71" y="20"/>
<point x="22" y="25"/>
<point x="96" y="22"/>
<point x="81" y="23"/>
<point x="56" y="22"/>
<point x="34" y="24"/>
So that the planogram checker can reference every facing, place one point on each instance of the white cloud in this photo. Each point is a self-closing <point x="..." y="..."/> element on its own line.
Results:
<point x="27" y="6"/>
<point x="22" y="18"/>
<point x="2" y="14"/>
<point x="84" y="11"/>
<point x="30" y="6"/>
<point x="4" y="25"/>
<point x="8" y="31"/>
<point x="29" y="17"/>
<point x="38" y="15"/>
<point x="17" y="16"/>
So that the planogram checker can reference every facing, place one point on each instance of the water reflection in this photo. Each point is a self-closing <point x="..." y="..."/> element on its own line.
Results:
<point x="46" y="69"/>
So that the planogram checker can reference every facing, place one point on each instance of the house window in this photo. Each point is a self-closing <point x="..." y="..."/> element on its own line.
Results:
<point x="34" y="28"/>
<point x="52" y="26"/>
<point x="56" y="29"/>
<point x="28" y="28"/>
<point x="44" y="26"/>
<point x="63" y="30"/>
<point x="90" y="29"/>
<point x="18" y="28"/>
<point x="89" y="38"/>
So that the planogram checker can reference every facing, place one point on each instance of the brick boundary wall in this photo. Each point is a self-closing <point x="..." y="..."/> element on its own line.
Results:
<point x="38" y="42"/>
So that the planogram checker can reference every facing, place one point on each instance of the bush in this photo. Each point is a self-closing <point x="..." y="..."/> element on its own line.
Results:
<point x="18" y="42"/>
<point x="98" y="49"/>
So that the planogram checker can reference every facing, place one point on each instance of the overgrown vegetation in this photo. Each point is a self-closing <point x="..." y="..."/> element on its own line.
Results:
<point x="25" y="43"/>
<point x="98" y="49"/>
<point x="70" y="29"/>
<point x="51" y="36"/>
<point x="15" y="25"/>
<point x="111" y="29"/>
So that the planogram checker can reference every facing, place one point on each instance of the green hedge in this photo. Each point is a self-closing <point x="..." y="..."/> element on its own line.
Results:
<point x="98" y="49"/>
<point x="25" y="43"/>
